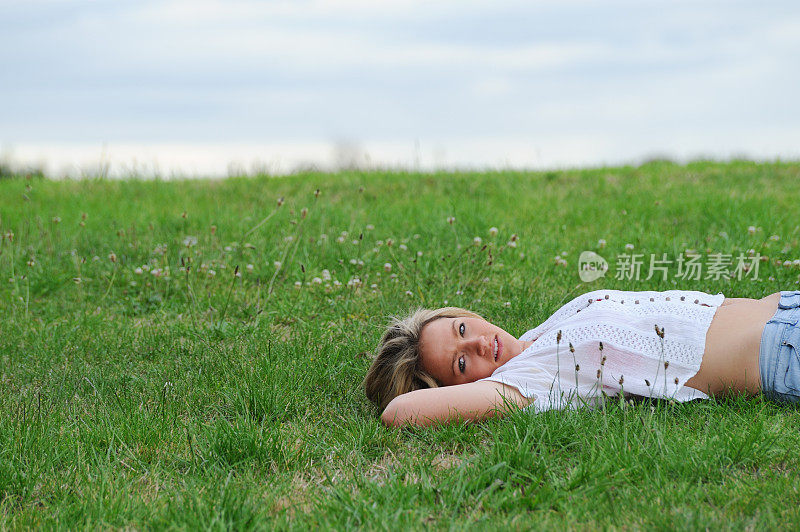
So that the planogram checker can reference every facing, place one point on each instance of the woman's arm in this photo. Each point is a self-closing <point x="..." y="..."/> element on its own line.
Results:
<point x="474" y="401"/>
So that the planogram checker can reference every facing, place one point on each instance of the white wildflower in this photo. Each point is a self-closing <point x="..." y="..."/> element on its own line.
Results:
<point x="387" y="267"/>
<point x="493" y="231"/>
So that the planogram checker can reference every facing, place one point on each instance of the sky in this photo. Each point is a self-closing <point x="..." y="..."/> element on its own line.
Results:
<point x="219" y="87"/>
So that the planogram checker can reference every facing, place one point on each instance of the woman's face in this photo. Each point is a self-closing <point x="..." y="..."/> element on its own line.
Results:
<point x="461" y="350"/>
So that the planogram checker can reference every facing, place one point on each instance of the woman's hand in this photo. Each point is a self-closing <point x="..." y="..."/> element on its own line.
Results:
<point x="474" y="401"/>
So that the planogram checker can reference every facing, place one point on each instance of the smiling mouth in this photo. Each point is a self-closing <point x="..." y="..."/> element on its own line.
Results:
<point x="496" y="348"/>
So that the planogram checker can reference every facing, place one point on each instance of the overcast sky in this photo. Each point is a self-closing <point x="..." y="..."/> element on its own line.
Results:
<point x="450" y="83"/>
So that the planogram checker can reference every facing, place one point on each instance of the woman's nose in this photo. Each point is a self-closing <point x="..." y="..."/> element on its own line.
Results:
<point x="480" y="345"/>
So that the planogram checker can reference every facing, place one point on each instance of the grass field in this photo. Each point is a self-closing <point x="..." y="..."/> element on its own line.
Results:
<point x="189" y="354"/>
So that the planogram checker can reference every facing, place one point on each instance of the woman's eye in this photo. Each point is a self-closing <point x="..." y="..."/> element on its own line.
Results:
<point x="461" y="329"/>
<point x="462" y="364"/>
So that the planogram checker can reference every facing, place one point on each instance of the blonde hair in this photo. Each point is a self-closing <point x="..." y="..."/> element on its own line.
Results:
<point x="395" y="369"/>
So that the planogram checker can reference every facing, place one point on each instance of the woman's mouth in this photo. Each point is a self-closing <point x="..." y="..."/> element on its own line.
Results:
<point x="497" y="348"/>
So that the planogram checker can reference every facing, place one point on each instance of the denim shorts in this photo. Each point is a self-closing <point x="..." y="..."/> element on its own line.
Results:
<point x="779" y="354"/>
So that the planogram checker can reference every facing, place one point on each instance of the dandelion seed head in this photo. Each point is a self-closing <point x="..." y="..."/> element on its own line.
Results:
<point x="387" y="267"/>
<point x="477" y="240"/>
<point x="493" y="231"/>
<point x="751" y="229"/>
<point x="629" y="247"/>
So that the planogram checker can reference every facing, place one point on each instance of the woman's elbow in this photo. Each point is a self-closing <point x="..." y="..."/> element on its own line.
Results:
<point x="396" y="413"/>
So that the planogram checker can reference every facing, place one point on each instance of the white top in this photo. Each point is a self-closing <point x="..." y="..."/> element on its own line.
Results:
<point x="633" y="359"/>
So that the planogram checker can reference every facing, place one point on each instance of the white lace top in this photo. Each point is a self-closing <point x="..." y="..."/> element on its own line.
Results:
<point x="634" y="358"/>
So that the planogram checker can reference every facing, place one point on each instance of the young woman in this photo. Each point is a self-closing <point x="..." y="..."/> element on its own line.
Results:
<point x="439" y="365"/>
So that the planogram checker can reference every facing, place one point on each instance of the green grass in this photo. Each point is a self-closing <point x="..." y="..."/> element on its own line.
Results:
<point x="185" y="400"/>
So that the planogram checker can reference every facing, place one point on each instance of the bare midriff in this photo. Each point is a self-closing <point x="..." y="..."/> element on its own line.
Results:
<point x="733" y="341"/>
